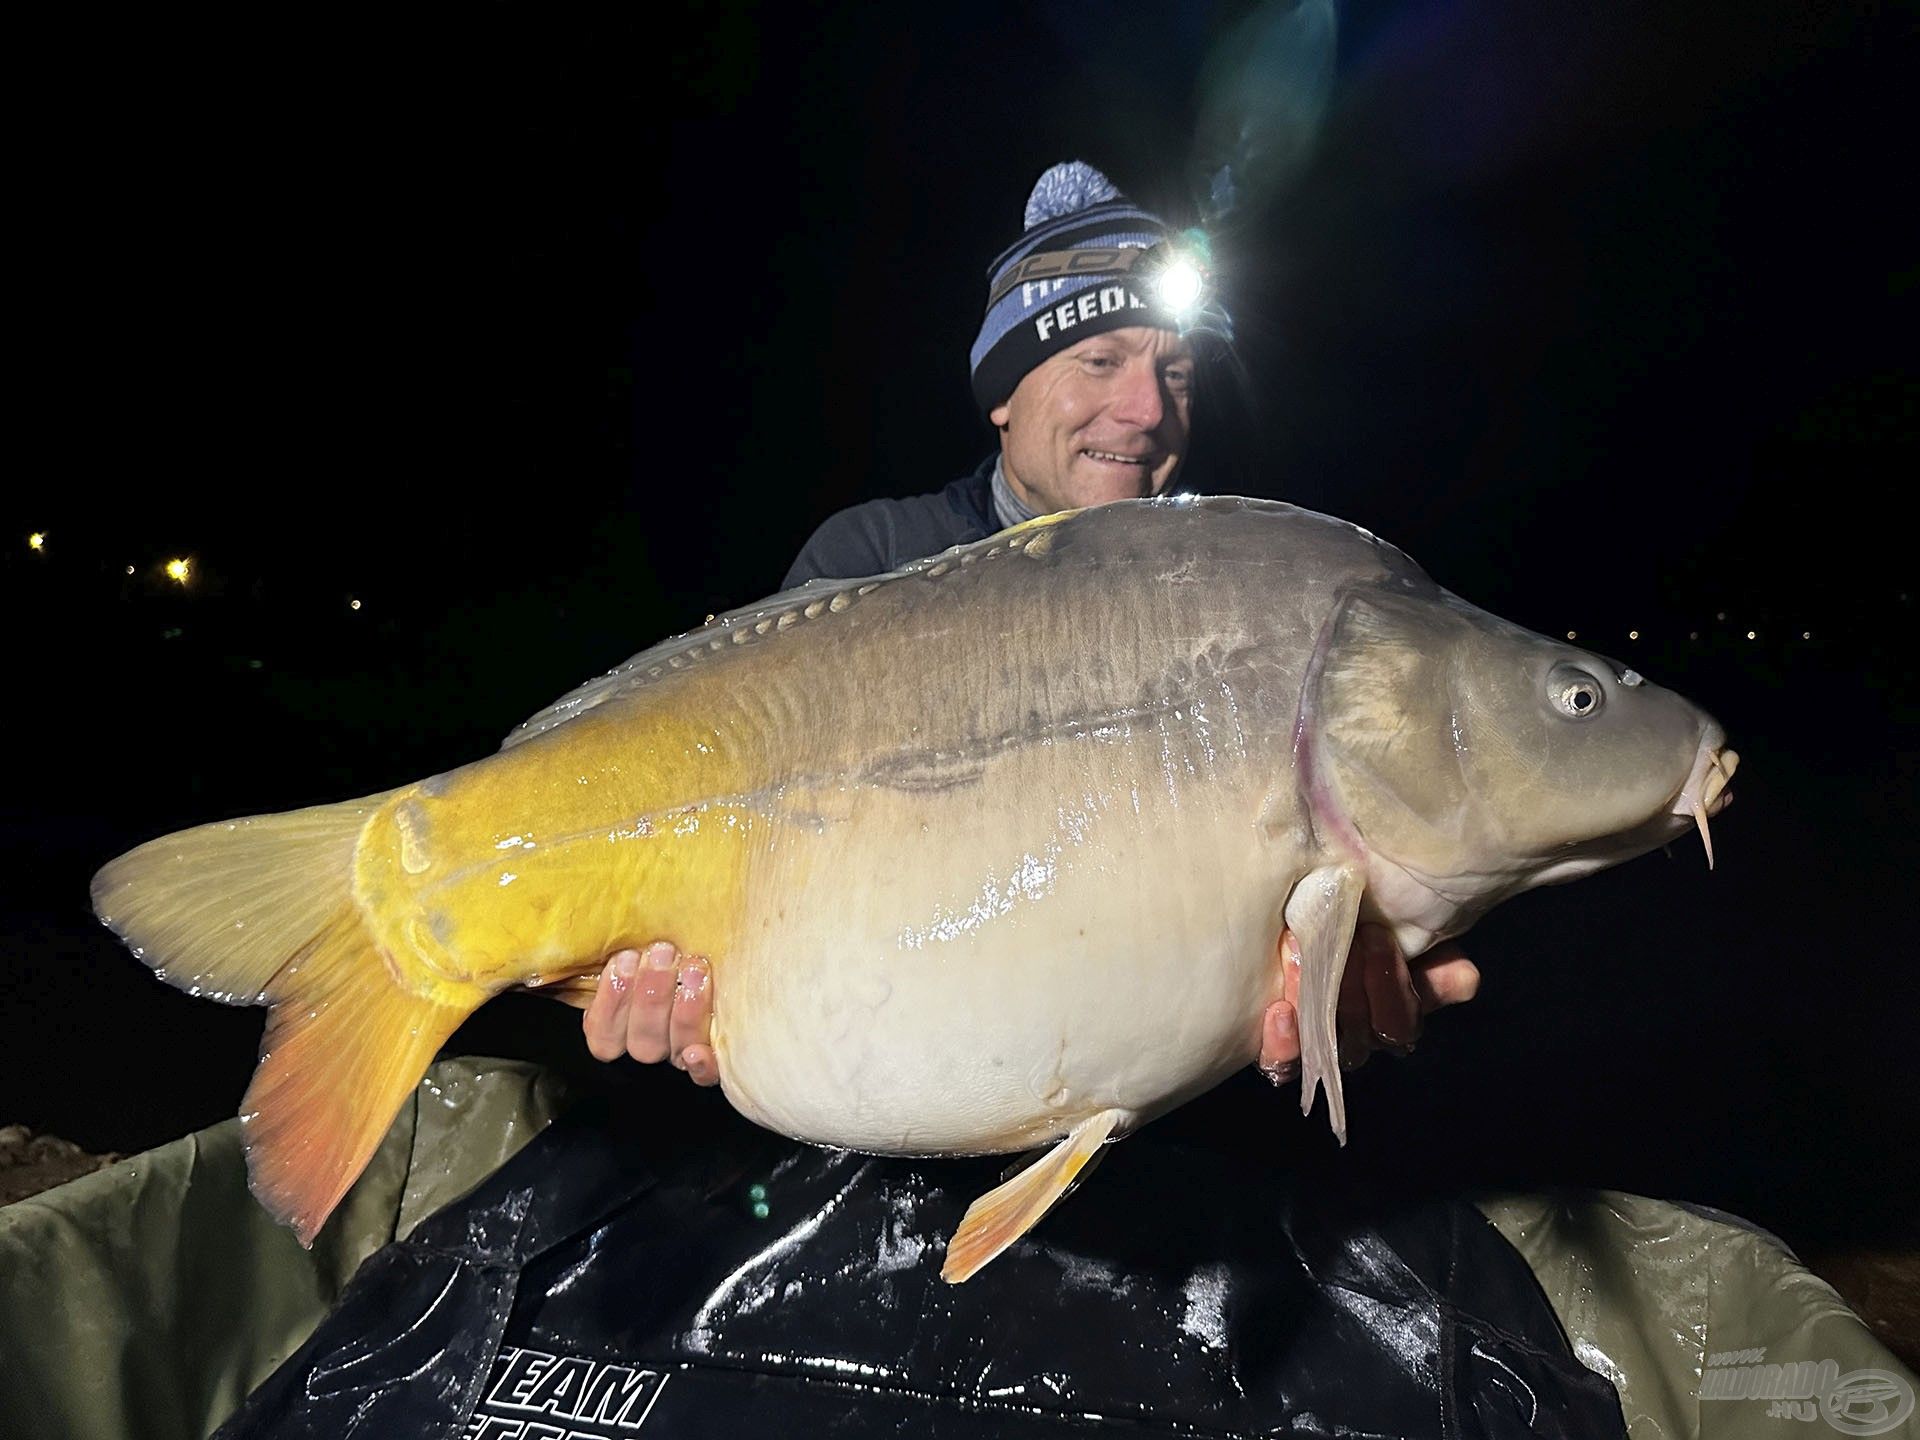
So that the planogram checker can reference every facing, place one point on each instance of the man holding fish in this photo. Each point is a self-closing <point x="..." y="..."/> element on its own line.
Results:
<point x="947" y="906"/>
<point x="1088" y="373"/>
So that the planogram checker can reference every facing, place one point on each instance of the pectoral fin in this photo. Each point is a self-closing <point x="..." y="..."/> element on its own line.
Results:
<point x="1321" y="913"/>
<point x="1008" y="1211"/>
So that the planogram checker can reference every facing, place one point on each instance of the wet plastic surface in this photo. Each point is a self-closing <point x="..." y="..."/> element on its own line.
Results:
<point x="755" y="1286"/>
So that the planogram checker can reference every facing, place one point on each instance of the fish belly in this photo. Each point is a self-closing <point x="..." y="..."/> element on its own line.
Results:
<point x="977" y="965"/>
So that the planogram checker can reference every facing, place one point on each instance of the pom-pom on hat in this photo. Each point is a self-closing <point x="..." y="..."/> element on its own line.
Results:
<point x="1073" y="207"/>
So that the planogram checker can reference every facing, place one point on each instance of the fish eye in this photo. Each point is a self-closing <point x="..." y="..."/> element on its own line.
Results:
<point x="1574" y="693"/>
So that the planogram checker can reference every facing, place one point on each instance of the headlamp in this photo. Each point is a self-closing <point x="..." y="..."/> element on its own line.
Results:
<point x="1177" y="273"/>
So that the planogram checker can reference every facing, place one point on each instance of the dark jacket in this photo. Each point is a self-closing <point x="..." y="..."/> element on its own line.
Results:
<point x="883" y="535"/>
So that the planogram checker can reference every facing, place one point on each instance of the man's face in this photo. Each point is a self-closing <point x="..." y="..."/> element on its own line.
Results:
<point x="1103" y="420"/>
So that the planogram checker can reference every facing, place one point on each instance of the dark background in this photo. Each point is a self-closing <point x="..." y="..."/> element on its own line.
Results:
<point x="545" y="331"/>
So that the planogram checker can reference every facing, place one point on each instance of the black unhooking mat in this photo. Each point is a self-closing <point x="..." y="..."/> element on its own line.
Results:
<point x="753" y="1287"/>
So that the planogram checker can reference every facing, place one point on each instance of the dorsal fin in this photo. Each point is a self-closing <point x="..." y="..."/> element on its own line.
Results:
<point x="809" y="601"/>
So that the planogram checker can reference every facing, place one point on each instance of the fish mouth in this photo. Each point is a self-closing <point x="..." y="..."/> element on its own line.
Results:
<point x="1706" y="794"/>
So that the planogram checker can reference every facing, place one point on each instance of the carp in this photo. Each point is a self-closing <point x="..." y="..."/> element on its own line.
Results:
<point x="940" y="831"/>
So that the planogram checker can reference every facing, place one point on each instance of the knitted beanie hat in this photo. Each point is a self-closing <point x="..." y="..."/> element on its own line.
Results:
<point x="1046" y="307"/>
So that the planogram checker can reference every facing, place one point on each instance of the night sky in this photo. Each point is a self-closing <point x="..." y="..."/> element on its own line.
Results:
<point x="542" y="332"/>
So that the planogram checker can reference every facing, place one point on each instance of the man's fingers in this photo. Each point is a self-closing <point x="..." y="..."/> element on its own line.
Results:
<point x="605" y="1022"/>
<point x="702" y="1066"/>
<point x="1393" y="1010"/>
<point x="1280" y="1043"/>
<point x="692" y="1010"/>
<point x="650" y="1009"/>
<point x="1443" y="976"/>
<point x="1290" y="970"/>
<point x="653" y="1006"/>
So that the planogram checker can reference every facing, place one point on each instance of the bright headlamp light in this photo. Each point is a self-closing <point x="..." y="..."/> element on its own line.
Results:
<point x="1180" y="286"/>
<point x="1176" y="274"/>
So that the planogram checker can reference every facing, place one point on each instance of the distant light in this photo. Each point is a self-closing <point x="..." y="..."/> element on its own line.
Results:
<point x="37" y="540"/>
<point x="129" y="569"/>
<point x="180" y="570"/>
<point x="1750" y="635"/>
<point x="1573" y="634"/>
<point x="761" y="1210"/>
<point x="353" y="604"/>
<point x="1806" y="634"/>
<point x="1720" y="615"/>
<point x="1633" y="634"/>
<point x="1693" y="634"/>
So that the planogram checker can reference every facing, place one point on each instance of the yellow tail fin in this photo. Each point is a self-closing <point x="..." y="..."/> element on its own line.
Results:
<point x="260" y="911"/>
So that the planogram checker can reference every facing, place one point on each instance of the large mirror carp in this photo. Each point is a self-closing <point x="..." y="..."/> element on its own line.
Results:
<point x="989" y="853"/>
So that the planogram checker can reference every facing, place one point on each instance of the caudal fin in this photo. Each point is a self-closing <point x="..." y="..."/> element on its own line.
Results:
<point x="260" y="912"/>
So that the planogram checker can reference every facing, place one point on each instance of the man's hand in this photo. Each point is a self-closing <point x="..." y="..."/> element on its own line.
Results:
<point x="655" y="1004"/>
<point x="1383" y="999"/>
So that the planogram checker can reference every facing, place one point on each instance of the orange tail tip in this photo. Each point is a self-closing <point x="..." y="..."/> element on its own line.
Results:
<point x="1008" y="1211"/>
<point x="261" y="911"/>
<point x="340" y="1055"/>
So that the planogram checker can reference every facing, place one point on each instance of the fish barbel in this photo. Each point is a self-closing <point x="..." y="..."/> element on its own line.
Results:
<point x="941" y="832"/>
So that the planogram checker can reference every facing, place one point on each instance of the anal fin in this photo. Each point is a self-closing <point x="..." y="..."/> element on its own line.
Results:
<point x="1322" y="912"/>
<point x="1008" y="1211"/>
<point x="576" y="990"/>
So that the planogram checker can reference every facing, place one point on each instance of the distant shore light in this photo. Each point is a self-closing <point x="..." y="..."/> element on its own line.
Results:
<point x="37" y="540"/>
<point x="353" y="604"/>
<point x="1633" y="634"/>
<point x="180" y="570"/>
<point x="1573" y="634"/>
